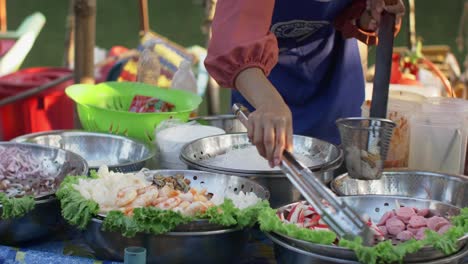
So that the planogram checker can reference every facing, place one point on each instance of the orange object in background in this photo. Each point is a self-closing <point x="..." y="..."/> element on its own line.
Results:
<point x="47" y="110"/>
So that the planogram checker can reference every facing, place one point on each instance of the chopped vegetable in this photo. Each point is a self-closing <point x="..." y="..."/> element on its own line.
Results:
<point x="15" y="207"/>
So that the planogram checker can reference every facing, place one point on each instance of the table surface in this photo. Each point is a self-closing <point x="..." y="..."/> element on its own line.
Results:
<point x="72" y="249"/>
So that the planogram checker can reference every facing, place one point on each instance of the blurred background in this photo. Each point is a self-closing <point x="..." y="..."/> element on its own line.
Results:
<point x="118" y="22"/>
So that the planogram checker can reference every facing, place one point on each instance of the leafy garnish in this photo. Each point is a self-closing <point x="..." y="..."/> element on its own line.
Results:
<point x="76" y="210"/>
<point x="116" y="221"/>
<point x="16" y="207"/>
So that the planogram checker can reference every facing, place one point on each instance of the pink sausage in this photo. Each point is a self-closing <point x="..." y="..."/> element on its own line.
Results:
<point x="383" y="229"/>
<point x="395" y="226"/>
<point x="417" y="221"/>
<point x="385" y="217"/>
<point x="436" y="222"/>
<point x="405" y="213"/>
<point x="405" y="235"/>
<point x="444" y="229"/>
<point x="423" y="212"/>
<point x="420" y="235"/>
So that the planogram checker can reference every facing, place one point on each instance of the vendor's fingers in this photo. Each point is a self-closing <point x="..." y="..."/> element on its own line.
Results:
<point x="289" y="137"/>
<point x="250" y="129"/>
<point x="258" y="139"/>
<point x="269" y="142"/>
<point x="280" y="144"/>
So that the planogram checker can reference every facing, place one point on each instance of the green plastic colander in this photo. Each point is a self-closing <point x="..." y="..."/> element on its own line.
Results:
<point x="104" y="107"/>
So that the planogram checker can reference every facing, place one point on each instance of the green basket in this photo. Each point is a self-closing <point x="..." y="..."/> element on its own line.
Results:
<point x="104" y="107"/>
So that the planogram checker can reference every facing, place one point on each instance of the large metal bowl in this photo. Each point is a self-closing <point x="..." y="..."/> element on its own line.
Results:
<point x="44" y="220"/>
<point x="451" y="189"/>
<point x="286" y="253"/>
<point x="120" y="154"/>
<point x="282" y="191"/>
<point x="228" y="123"/>
<point x="197" y="242"/>
<point x="375" y="206"/>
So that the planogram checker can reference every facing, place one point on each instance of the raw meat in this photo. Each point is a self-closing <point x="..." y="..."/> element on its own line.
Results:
<point x="417" y="221"/>
<point x="423" y="212"/>
<point x="405" y="235"/>
<point x="420" y="235"/>
<point x="395" y="226"/>
<point x="405" y="213"/>
<point x="444" y="229"/>
<point x="383" y="229"/>
<point x="436" y="222"/>
<point x="385" y="217"/>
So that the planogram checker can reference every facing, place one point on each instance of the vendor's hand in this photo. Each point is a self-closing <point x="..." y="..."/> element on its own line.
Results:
<point x="270" y="125"/>
<point x="270" y="130"/>
<point x="370" y="19"/>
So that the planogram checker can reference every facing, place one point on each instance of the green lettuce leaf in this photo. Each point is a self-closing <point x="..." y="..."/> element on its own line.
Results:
<point x="116" y="221"/>
<point x="248" y="217"/>
<point x="269" y="222"/>
<point x="76" y="210"/>
<point x="157" y="221"/>
<point x="16" y="207"/>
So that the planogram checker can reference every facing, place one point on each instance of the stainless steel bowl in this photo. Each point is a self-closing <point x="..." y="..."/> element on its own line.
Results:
<point x="45" y="219"/>
<point x="282" y="191"/>
<point x="228" y="123"/>
<point x="66" y="162"/>
<point x="119" y="153"/>
<point x="451" y="189"/>
<point x="42" y="222"/>
<point x="286" y="253"/>
<point x="197" y="242"/>
<point x="375" y="206"/>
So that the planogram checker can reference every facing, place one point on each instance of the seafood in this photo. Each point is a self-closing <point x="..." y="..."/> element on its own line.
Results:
<point x="125" y="192"/>
<point x="22" y="173"/>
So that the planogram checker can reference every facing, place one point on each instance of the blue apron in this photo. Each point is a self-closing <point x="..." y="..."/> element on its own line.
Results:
<point x="319" y="74"/>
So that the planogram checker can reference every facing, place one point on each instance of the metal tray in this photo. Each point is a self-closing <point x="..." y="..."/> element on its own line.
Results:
<point x="375" y="206"/>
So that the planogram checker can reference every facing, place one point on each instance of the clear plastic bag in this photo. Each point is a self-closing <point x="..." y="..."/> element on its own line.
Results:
<point x="149" y="67"/>
<point x="184" y="79"/>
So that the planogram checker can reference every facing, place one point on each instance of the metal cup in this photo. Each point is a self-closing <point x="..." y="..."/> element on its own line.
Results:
<point x="365" y="142"/>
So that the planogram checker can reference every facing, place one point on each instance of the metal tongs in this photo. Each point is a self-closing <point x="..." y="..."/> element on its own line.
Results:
<point x="335" y="213"/>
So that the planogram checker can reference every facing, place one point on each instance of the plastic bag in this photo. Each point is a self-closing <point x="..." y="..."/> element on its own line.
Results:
<point x="149" y="67"/>
<point x="184" y="79"/>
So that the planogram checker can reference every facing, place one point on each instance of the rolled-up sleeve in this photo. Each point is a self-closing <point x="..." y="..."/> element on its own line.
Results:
<point x="241" y="39"/>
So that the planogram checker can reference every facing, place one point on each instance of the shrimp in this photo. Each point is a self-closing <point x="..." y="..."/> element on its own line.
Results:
<point x="200" y="198"/>
<point x="146" y="196"/>
<point x="194" y="208"/>
<point x="189" y="197"/>
<point x="126" y="195"/>
<point x="169" y="203"/>
<point x="181" y="207"/>
<point x="168" y="192"/>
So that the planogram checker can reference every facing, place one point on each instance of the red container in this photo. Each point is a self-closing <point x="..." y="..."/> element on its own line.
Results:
<point x="47" y="110"/>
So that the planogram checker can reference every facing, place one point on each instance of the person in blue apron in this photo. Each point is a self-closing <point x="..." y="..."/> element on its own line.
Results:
<point x="294" y="63"/>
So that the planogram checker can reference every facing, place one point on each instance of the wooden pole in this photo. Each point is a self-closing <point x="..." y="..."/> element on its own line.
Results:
<point x="212" y="93"/>
<point x="412" y="25"/>
<point x="85" y="38"/>
<point x="3" y="16"/>
<point x="69" y="51"/>
<point x="144" y="18"/>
